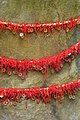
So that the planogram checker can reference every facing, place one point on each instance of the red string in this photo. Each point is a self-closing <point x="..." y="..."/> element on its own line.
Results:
<point x="36" y="27"/>
<point x="21" y="67"/>
<point x="11" y="95"/>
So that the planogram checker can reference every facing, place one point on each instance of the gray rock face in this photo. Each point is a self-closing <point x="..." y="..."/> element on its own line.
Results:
<point x="32" y="11"/>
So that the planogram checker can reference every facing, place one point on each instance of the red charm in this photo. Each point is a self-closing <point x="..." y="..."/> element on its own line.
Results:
<point x="13" y="95"/>
<point x="43" y="27"/>
<point x="54" y="62"/>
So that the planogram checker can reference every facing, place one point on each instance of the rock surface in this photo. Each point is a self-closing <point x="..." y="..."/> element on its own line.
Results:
<point x="46" y="45"/>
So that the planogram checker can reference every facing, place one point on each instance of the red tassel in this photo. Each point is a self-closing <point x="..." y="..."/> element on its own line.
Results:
<point x="2" y="26"/>
<point x="36" y="29"/>
<point x="65" y="26"/>
<point x="11" y="95"/>
<point x="45" y="27"/>
<point x="58" y="26"/>
<point x="54" y="62"/>
<point x="29" y="28"/>
<point x="24" y="29"/>
<point x="52" y="27"/>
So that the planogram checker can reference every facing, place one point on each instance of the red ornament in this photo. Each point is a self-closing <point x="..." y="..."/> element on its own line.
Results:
<point x="12" y="95"/>
<point x="36" y="27"/>
<point x="21" y="67"/>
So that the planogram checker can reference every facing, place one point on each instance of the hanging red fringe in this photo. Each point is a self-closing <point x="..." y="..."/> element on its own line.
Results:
<point x="23" y="29"/>
<point x="21" y="67"/>
<point x="13" y="95"/>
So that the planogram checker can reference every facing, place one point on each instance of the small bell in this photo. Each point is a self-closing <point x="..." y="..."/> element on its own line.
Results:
<point x="31" y="30"/>
<point x="10" y="103"/>
<point x="22" y="77"/>
<point x="67" y="29"/>
<point x="9" y="73"/>
<point x="14" y="103"/>
<point x="72" y="57"/>
<point x="41" y="69"/>
<point x="21" y="35"/>
<point x="33" y="98"/>
<point x="35" y="68"/>
<point x="72" y="97"/>
<point x="78" y="21"/>
<point x="45" y="31"/>
<point x="23" y="97"/>
<point x="3" y="70"/>
<point x="14" y="72"/>
<point x="61" y="65"/>
<point x="5" y="102"/>
<point x="69" y="54"/>
<point x="1" y="96"/>
<point x="20" y="74"/>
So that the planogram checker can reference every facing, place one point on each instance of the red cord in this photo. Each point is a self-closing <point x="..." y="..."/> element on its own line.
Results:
<point x="21" y="67"/>
<point x="23" y="29"/>
<point x="12" y="95"/>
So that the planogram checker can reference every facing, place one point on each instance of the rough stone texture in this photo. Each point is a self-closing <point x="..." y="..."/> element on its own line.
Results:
<point x="45" y="45"/>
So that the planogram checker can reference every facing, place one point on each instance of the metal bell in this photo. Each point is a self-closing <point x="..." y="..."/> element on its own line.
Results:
<point x="21" y="35"/>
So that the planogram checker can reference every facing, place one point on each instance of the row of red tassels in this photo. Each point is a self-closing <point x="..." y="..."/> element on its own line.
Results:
<point x="20" y="68"/>
<point x="13" y="95"/>
<point x="43" y="27"/>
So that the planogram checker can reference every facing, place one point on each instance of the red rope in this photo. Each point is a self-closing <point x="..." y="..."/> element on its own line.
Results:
<point x="21" y="67"/>
<point x="36" y="27"/>
<point x="12" y="95"/>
